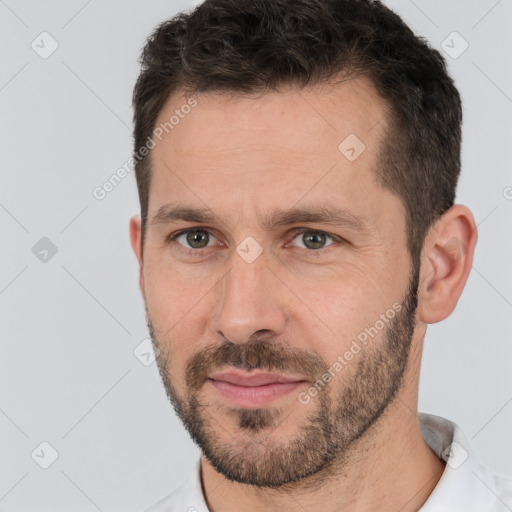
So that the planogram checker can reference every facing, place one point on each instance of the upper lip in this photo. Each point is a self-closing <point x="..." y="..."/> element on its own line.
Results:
<point x="254" y="378"/>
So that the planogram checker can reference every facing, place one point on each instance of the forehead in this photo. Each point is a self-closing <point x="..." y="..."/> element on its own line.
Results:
<point x="292" y="118"/>
<point x="255" y="151"/>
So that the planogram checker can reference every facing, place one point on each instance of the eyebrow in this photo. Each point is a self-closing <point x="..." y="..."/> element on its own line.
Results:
<point x="332" y="216"/>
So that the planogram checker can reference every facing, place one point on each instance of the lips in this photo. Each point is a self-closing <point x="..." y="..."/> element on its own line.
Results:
<point x="252" y="379"/>
<point x="253" y="389"/>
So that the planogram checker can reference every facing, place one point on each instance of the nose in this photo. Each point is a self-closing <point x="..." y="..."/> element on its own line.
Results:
<point x="250" y="299"/>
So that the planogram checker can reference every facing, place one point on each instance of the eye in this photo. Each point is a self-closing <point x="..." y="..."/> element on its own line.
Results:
<point x="193" y="238"/>
<point x="196" y="240"/>
<point x="314" y="240"/>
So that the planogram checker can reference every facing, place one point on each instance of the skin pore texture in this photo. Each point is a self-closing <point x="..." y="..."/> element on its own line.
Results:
<point x="298" y="306"/>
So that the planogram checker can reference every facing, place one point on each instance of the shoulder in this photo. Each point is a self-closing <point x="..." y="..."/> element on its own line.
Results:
<point x="465" y="484"/>
<point x="499" y="486"/>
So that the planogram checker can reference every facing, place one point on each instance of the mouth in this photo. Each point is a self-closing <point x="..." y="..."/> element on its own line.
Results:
<point x="254" y="389"/>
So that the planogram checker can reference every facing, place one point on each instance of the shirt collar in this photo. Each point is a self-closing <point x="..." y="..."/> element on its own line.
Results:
<point x="465" y="485"/>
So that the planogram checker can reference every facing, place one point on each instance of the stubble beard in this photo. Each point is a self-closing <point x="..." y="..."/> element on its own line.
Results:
<point x="257" y="455"/>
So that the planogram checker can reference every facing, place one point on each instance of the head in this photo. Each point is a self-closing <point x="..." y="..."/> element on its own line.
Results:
<point x="297" y="190"/>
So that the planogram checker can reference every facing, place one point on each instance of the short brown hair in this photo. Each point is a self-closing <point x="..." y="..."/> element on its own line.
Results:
<point x="255" y="46"/>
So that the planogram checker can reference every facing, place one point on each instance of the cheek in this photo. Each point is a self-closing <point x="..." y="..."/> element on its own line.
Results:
<point x="333" y="313"/>
<point x="178" y="316"/>
<point x="172" y="296"/>
<point x="344" y="294"/>
<point x="176" y="348"/>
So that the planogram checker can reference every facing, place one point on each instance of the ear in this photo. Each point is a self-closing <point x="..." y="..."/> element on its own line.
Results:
<point x="136" y="242"/>
<point x="446" y="261"/>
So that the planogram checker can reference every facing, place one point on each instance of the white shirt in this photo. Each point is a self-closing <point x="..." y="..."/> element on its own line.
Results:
<point x="465" y="485"/>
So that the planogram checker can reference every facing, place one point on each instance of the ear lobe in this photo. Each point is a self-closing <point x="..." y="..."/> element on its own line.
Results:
<point x="447" y="259"/>
<point x="136" y="243"/>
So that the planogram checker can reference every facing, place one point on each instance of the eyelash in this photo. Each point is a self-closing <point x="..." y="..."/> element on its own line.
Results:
<point x="313" y="252"/>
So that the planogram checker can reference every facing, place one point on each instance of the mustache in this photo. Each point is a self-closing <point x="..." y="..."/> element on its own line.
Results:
<point x="253" y="355"/>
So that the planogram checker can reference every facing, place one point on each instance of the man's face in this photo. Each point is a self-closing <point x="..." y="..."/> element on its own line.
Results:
<point x="280" y="343"/>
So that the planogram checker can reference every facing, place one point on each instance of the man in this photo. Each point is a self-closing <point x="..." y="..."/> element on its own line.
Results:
<point x="297" y="165"/>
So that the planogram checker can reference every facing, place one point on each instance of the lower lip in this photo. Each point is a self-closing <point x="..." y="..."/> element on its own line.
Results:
<point x="255" y="396"/>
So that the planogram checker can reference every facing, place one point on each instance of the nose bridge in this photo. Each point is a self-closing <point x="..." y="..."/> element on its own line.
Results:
<point x="248" y="298"/>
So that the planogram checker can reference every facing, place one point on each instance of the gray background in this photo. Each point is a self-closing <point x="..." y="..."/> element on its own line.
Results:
<point x="70" y="323"/>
